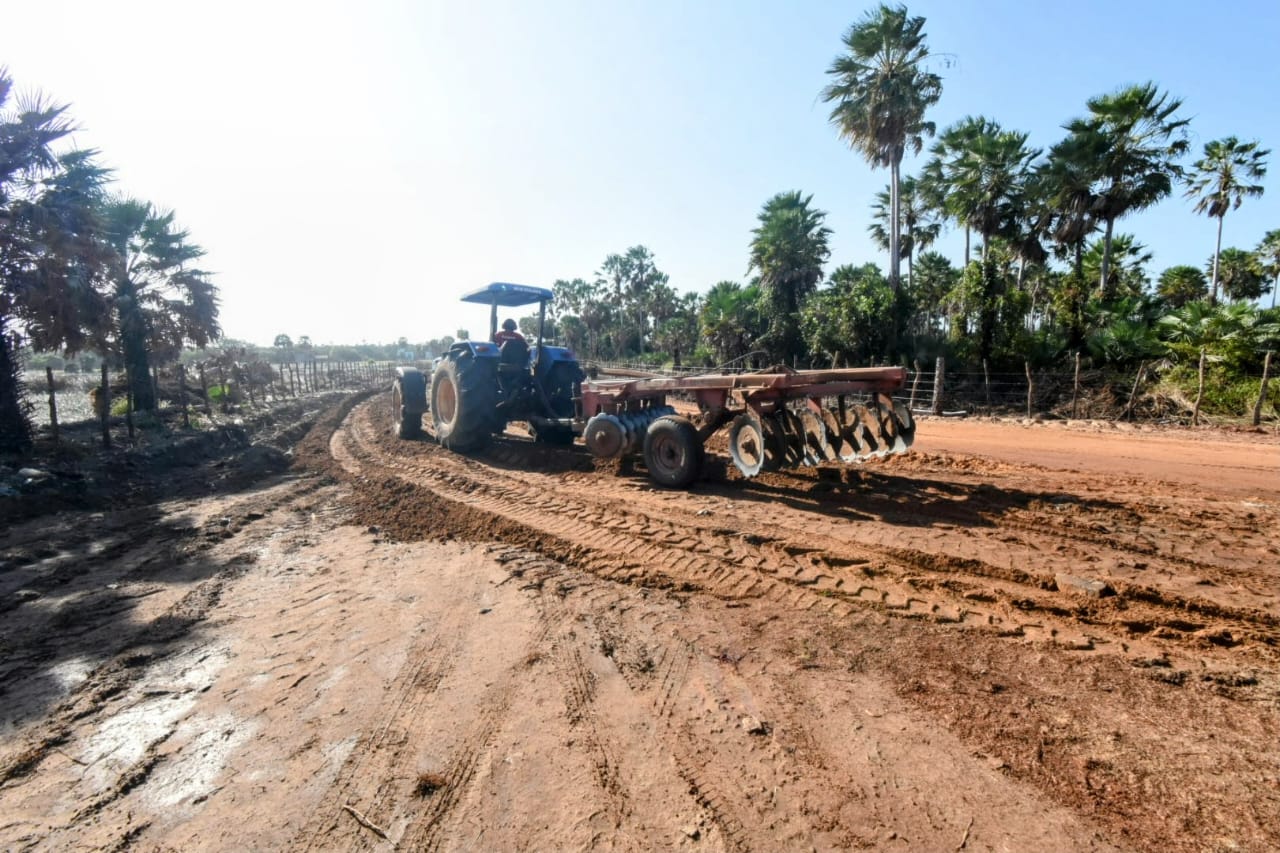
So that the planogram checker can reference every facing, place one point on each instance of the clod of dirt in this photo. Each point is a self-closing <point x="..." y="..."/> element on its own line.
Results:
<point x="754" y="726"/>
<point x="1083" y="586"/>
<point x="428" y="784"/>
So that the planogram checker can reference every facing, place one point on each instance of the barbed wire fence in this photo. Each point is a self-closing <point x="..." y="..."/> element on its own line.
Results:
<point x="215" y="392"/>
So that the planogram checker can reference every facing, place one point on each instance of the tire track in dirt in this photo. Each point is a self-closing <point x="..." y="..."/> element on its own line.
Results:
<point x="371" y="777"/>
<point x="148" y="642"/>
<point x="621" y="542"/>
<point x="429" y="830"/>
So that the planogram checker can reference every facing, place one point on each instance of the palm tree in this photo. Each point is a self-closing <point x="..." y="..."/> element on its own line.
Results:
<point x="788" y="251"/>
<point x="1268" y="254"/>
<point x="984" y="173"/>
<point x="880" y="91"/>
<point x="1139" y="138"/>
<point x="1240" y="274"/>
<point x="1126" y="273"/>
<point x="1181" y="284"/>
<point x="729" y="319"/>
<point x="1221" y="181"/>
<point x="1066" y="180"/>
<point x="633" y="276"/>
<point x="49" y="258"/>
<point x="161" y="301"/>
<point x="918" y="228"/>
<point x="933" y="280"/>
<point x="987" y="176"/>
<point x="952" y="145"/>
<point x="1232" y="332"/>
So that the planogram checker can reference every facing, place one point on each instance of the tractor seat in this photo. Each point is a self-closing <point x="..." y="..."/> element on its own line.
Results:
<point x="513" y="357"/>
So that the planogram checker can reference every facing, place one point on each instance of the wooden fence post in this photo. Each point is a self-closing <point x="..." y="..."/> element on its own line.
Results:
<point x="1075" y="389"/>
<point x="128" y="411"/>
<point x="1195" y="412"/>
<point x="182" y="394"/>
<point x="915" y="383"/>
<point x="1031" y="388"/>
<point x="986" y="382"/>
<point x="104" y="400"/>
<point x="1262" y="390"/>
<point x="204" y="391"/>
<point x="222" y="382"/>
<point x="939" y="376"/>
<point x="293" y="380"/>
<point x="53" y="403"/>
<point x="1133" y="395"/>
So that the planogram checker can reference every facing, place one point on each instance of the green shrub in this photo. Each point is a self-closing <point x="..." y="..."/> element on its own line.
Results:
<point x="1225" y="394"/>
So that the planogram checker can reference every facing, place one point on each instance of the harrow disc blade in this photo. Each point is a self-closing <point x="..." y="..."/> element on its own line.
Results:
<point x="747" y="444"/>
<point x="605" y="436"/>
<point x="872" y="435"/>
<point x="832" y="424"/>
<point x="906" y="421"/>
<point x="793" y="435"/>
<point x="890" y="435"/>
<point x="775" y="443"/>
<point x="860" y="439"/>
<point x="815" y="437"/>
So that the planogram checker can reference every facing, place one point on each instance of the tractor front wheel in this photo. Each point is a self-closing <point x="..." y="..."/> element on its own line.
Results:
<point x="408" y="398"/>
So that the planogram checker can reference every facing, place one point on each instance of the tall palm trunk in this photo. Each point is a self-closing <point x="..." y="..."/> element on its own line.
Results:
<point x="1217" y="250"/>
<point x="966" y="246"/>
<point x="133" y="343"/>
<point x="1106" y="261"/>
<point x="895" y="222"/>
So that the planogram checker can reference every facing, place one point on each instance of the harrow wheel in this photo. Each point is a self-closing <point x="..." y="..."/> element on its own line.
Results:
<point x="747" y="444"/>
<point x="672" y="452"/>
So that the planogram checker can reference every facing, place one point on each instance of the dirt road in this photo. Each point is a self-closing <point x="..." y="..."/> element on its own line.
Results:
<point x="1013" y="638"/>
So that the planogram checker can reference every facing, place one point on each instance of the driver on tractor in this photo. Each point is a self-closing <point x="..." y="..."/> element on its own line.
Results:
<point x="507" y="333"/>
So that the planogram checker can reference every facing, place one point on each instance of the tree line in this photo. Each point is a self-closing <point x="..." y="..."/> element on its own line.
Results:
<point x="1045" y="272"/>
<point x="84" y="268"/>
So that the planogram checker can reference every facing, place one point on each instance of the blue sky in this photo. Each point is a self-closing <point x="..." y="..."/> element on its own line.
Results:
<point x="353" y="168"/>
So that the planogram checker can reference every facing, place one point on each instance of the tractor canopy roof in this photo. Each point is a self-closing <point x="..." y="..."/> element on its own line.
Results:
<point x="508" y="295"/>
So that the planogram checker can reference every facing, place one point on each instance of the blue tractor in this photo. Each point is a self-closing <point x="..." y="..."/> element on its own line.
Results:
<point x="477" y="386"/>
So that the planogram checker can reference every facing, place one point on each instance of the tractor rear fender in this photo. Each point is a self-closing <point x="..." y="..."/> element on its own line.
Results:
<point x="547" y="357"/>
<point x="476" y="349"/>
<point x="413" y="390"/>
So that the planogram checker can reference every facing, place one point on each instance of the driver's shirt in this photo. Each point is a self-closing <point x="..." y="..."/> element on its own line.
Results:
<point x="503" y="336"/>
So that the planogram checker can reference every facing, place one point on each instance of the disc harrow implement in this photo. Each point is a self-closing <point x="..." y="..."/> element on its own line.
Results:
<point x="776" y="419"/>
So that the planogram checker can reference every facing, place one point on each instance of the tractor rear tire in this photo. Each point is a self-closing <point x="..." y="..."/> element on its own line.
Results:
<point x="463" y="400"/>
<point x="673" y="452"/>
